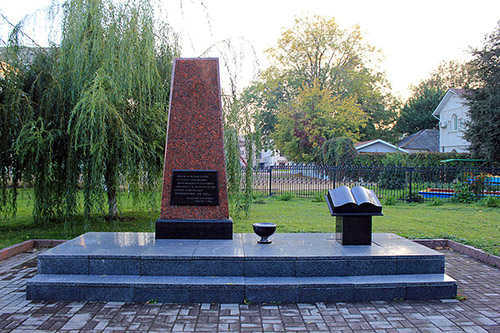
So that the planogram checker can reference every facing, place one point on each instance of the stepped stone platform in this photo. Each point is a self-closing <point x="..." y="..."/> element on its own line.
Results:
<point x="301" y="267"/>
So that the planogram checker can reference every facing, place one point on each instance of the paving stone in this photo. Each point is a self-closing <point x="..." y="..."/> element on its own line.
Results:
<point x="479" y="312"/>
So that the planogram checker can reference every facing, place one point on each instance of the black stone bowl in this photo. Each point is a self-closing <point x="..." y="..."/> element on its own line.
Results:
<point x="264" y="230"/>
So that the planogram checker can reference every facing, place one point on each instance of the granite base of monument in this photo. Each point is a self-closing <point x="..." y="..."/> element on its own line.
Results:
<point x="194" y="229"/>
<point x="312" y="267"/>
<point x="353" y="230"/>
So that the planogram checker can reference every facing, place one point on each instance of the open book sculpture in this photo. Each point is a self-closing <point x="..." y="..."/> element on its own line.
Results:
<point x="356" y="201"/>
<point x="353" y="209"/>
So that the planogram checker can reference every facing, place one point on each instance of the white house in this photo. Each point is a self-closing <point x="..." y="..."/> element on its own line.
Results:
<point x="377" y="146"/>
<point x="452" y="113"/>
<point x="264" y="158"/>
<point x="271" y="157"/>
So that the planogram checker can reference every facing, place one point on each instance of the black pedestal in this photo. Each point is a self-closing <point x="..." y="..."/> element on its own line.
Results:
<point x="354" y="230"/>
<point x="194" y="229"/>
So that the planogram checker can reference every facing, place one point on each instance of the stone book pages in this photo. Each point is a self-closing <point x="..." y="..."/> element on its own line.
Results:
<point x="356" y="201"/>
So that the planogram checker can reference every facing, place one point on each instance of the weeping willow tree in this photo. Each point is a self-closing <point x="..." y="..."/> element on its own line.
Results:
<point x="238" y="126"/>
<point x="15" y="106"/>
<point x="239" y="120"/>
<point x="93" y="110"/>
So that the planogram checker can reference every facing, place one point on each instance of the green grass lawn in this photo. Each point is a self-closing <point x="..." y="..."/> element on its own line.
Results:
<point x="467" y="223"/>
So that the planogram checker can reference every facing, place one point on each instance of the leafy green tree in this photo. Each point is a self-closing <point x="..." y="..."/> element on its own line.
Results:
<point x="11" y="166"/>
<point x="483" y="130"/>
<point x="393" y="177"/>
<point x="316" y="53"/>
<point x="416" y="113"/>
<point x="312" y="118"/>
<point x="339" y="151"/>
<point x="97" y="107"/>
<point x="345" y="152"/>
<point x="452" y="74"/>
<point x="265" y="98"/>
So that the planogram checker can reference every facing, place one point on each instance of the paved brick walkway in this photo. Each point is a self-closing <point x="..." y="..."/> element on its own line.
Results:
<point x="479" y="312"/>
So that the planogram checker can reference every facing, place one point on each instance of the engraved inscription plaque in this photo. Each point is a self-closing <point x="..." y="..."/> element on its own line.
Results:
<point x="194" y="188"/>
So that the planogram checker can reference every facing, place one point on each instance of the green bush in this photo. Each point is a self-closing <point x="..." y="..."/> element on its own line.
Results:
<point x="436" y="202"/>
<point x="390" y="201"/>
<point x="490" y="201"/>
<point x="477" y="183"/>
<point x="339" y="151"/>
<point x="369" y="159"/>
<point x="394" y="178"/>
<point x="318" y="197"/>
<point x="256" y="195"/>
<point x="345" y="153"/>
<point x="463" y="193"/>
<point x="287" y="196"/>
<point x="418" y="159"/>
<point x="415" y="197"/>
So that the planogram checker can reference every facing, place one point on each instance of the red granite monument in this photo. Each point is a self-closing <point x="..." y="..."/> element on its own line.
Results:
<point x="194" y="200"/>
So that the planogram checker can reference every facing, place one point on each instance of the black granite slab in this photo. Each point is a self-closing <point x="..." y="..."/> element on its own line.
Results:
<point x="194" y="229"/>
<point x="136" y="267"/>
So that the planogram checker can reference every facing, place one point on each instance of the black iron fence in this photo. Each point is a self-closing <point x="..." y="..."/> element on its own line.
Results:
<point x="406" y="183"/>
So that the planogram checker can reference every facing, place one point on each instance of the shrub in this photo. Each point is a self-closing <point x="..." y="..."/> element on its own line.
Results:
<point x="436" y="202"/>
<point x="345" y="153"/>
<point x="287" y="196"/>
<point x="490" y="201"/>
<point x="477" y="183"/>
<point x="390" y="201"/>
<point x="318" y="197"/>
<point x="463" y="193"/>
<point x="418" y="159"/>
<point x="339" y="151"/>
<point x="393" y="178"/>
<point x="415" y="197"/>
<point x="256" y="195"/>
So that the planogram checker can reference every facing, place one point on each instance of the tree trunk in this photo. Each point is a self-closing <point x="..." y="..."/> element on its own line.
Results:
<point x="112" y="188"/>
<point x="112" y="204"/>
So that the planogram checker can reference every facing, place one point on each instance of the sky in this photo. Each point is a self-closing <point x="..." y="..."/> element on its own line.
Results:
<point x="413" y="36"/>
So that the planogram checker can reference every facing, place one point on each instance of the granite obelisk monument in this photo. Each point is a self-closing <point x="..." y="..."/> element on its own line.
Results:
<point x="194" y="198"/>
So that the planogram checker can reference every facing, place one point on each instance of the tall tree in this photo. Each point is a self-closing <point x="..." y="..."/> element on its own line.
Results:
<point x="98" y="107"/>
<point x="312" y="118"/>
<point x="316" y="53"/>
<point x="483" y="130"/>
<point x="416" y="112"/>
<point x="452" y="74"/>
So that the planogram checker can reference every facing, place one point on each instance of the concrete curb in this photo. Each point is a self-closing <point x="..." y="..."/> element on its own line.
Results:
<point x="461" y="248"/>
<point x="28" y="245"/>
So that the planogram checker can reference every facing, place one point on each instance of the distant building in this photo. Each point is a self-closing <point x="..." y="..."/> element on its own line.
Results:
<point x="271" y="157"/>
<point x="452" y="113"/>
<point x="264" y="158"/>
<point x="424" y="141"/>
<point x="377" y="146"/>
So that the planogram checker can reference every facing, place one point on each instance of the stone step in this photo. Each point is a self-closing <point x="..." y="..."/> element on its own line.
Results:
<point x="246" y="267"/>
<point x="135" y="267"/>
<point x="290" y="255"/>
<point x="238" y="289"/>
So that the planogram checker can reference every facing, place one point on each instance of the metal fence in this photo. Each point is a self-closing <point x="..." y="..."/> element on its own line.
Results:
<point x="405" y="183"/>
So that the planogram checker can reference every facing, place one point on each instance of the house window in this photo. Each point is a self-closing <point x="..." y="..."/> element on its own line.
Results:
<point x="454" y="123"/>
